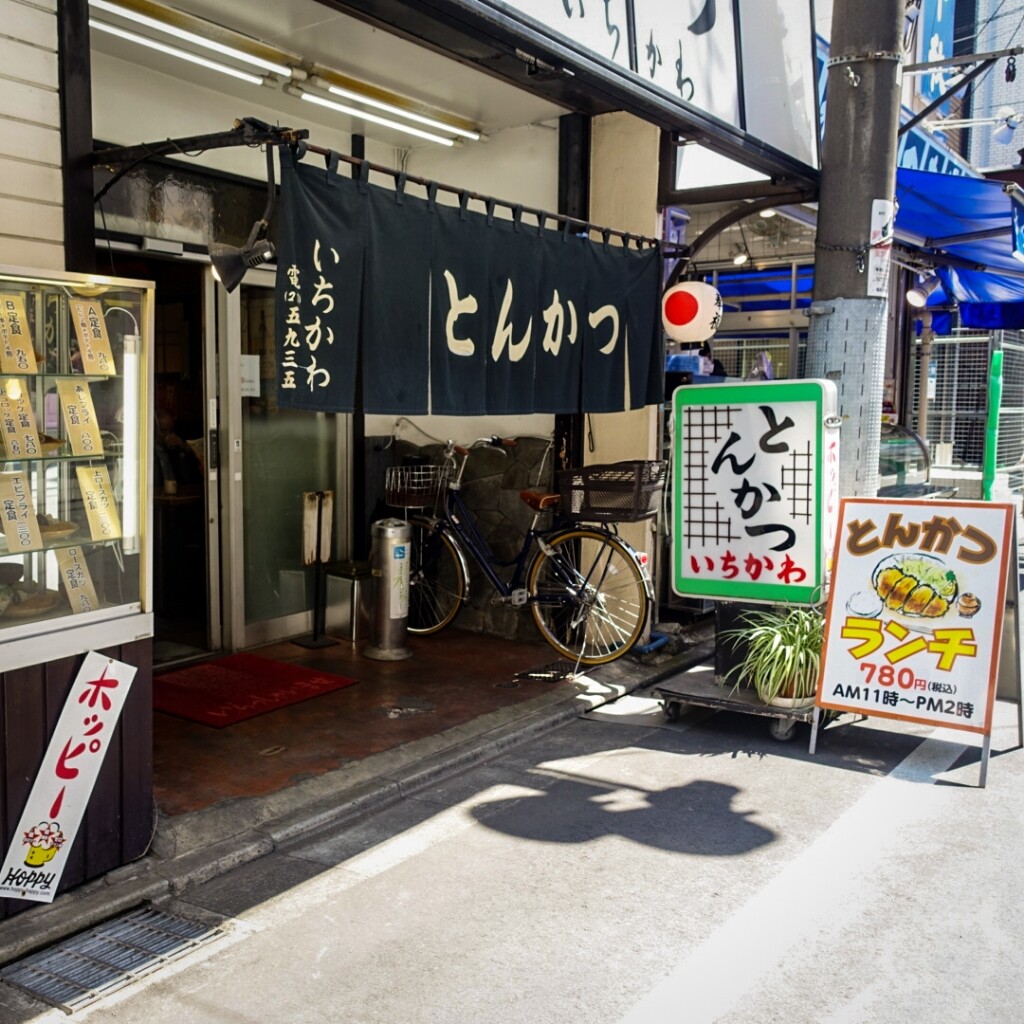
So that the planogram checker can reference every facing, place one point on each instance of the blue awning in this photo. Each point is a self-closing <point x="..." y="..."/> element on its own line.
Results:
<point x="965" y="223"/>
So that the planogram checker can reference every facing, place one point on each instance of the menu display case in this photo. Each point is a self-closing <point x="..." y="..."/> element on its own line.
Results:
<point x="75" y="445"/>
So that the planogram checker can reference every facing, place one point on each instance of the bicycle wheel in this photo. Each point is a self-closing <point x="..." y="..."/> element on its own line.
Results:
<point x="588" y="596"/>
<point x="437" y="583"/>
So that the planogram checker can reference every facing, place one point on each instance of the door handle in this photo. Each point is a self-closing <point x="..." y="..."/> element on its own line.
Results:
<point x="214" y="446"/>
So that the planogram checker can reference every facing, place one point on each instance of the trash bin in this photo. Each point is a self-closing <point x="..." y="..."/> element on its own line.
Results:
<point x="389" y="561"/>
<point x="348" y="601"/>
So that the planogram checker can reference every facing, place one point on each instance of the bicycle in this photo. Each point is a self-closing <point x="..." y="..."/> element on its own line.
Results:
<point x="588" y="590"/>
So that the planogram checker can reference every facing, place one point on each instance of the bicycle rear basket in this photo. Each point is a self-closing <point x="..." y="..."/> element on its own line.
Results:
<point x="413" y="486"/>
<point x="619" y="492"/>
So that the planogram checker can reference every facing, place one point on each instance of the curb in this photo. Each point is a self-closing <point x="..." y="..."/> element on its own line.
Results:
<point x="154" y="877"/>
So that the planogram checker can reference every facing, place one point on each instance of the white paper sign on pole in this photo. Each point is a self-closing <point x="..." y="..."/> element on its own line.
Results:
<point x="883" y="213"/>
<point x="915" y="613"/>
<point x="60" y="794"/>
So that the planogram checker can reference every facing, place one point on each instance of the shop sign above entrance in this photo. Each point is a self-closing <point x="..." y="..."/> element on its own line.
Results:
<point x="693" y="50"/>
<point x="602" y="28"/>
<point x="755" y="470"/>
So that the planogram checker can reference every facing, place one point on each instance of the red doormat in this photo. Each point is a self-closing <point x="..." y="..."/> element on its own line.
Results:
<point x="240" y="686"/>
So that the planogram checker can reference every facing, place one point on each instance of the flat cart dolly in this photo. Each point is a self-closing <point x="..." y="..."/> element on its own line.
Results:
<point x="690" y="688"/>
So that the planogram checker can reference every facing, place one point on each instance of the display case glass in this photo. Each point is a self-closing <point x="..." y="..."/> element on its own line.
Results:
<point x="903" y="463"/>
<point x="74" y="454"/>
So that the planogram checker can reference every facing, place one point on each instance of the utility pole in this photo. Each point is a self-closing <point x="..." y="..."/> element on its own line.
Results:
<point x="850" y="310"/>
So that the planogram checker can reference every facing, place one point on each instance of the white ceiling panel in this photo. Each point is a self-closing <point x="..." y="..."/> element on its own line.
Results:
<point x="319" y="34"/>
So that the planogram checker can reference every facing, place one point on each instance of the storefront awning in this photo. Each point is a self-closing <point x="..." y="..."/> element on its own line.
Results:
<point x="965" y="224"/>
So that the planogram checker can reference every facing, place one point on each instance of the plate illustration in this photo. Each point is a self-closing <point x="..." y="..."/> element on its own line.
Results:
<point x="919" y="591"/>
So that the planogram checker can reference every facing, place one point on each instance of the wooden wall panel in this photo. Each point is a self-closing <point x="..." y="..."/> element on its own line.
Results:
<point x="30" y="124"/>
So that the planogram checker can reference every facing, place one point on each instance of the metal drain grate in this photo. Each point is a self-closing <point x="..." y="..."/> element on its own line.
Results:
<point x="93" y="964"/>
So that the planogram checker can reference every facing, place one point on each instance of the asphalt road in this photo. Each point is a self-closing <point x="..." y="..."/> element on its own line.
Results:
<point x="627" y="870"/>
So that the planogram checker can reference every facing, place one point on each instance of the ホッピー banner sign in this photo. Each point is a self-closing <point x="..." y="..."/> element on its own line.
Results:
<point x="60" y="794"/>
<point x="915" y="613"/>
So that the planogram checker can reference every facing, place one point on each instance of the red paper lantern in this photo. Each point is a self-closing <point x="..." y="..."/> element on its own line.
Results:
<point x="691" y="311"/>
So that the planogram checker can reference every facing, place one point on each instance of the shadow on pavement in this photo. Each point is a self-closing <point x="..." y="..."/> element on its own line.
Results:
<point x="695" y="818"/>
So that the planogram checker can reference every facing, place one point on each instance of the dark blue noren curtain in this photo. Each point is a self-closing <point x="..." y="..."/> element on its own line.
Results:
<point x="604" y="331"/>
<point x="513" y="340"/>
<point x="459" y="313"/>
<point x="559" y="335"/>
<point x="395" y="352"/>
<point x="645" y="353"/>
<point x="321" y="239"/>
<point x="453" y="311"/>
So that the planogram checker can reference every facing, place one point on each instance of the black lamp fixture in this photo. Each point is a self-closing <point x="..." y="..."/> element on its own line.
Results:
<point x="739" y="255"/>
<point x="918" y="295"/>
<point x="229" y="262"/>
<point x="740" y="251"/>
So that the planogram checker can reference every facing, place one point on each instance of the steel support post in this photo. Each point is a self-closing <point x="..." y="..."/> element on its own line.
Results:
<point x="847" y="338"/>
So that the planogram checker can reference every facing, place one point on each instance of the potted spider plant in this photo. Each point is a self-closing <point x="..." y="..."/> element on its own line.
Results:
<point x="780" y="651"/>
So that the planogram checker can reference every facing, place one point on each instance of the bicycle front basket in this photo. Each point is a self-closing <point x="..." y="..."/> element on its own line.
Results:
<point x="413" y="486"/>
<point x="618" y="492"/>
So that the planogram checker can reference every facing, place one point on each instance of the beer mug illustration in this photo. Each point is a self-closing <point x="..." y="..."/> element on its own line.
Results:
<point x="43" y="841"/>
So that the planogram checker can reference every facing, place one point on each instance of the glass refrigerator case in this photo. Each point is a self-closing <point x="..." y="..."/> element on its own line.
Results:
<point x="75" y="452"/>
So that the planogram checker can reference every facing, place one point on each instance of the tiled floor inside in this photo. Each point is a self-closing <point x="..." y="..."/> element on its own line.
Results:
<point x="451" y="679"/>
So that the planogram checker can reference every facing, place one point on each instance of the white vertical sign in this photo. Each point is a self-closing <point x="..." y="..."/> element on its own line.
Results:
<point x="60" y="794"/>
<point x="780" y="103"/>
<point x="601" y="27"/>
<point x="688" y="49"/>
<point x="883" y="213"/>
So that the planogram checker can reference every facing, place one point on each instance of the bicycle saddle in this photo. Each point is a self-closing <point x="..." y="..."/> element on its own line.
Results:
<point x="539" y="500"/>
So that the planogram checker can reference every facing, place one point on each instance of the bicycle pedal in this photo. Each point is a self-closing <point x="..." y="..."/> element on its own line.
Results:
<point x="519" y="597"/>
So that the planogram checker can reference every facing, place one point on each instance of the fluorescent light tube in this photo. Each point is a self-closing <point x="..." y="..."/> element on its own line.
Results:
<point x="228" y="51"/>
<point x="175" y="52"/>
<point x="351" y="94"/>
<point x="375" y="118"/>
<point x="130" y="435"/>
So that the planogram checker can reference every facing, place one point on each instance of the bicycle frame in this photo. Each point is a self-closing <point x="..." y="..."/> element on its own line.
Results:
<point x="462" y="528"/>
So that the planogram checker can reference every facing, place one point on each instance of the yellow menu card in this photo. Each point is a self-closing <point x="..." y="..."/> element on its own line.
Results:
<point x="16" y="352"/>
<point x="17" y="421"/>
<point x="79" y="417"/>
<point x="100" y="506"/>
<point x="77" y="580"/>
<point x="93" y="342"/>
<point x="18" y="514"/>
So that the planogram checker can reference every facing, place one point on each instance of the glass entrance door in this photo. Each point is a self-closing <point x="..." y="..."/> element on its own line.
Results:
<point x="186" y="577"/>
<point x="272" y="457"/>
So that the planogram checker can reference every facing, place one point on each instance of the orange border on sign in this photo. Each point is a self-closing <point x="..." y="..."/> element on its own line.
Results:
<point x="996" y="640"/>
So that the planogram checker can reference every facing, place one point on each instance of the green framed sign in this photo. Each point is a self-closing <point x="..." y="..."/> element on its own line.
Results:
<point x="755" y="494"/>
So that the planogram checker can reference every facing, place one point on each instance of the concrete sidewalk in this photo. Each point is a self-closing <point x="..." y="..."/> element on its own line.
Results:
<point x="195" y="847"/>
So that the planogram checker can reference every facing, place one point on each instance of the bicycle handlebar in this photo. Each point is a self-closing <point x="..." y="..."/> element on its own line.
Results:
<point x="491" y="442"/>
